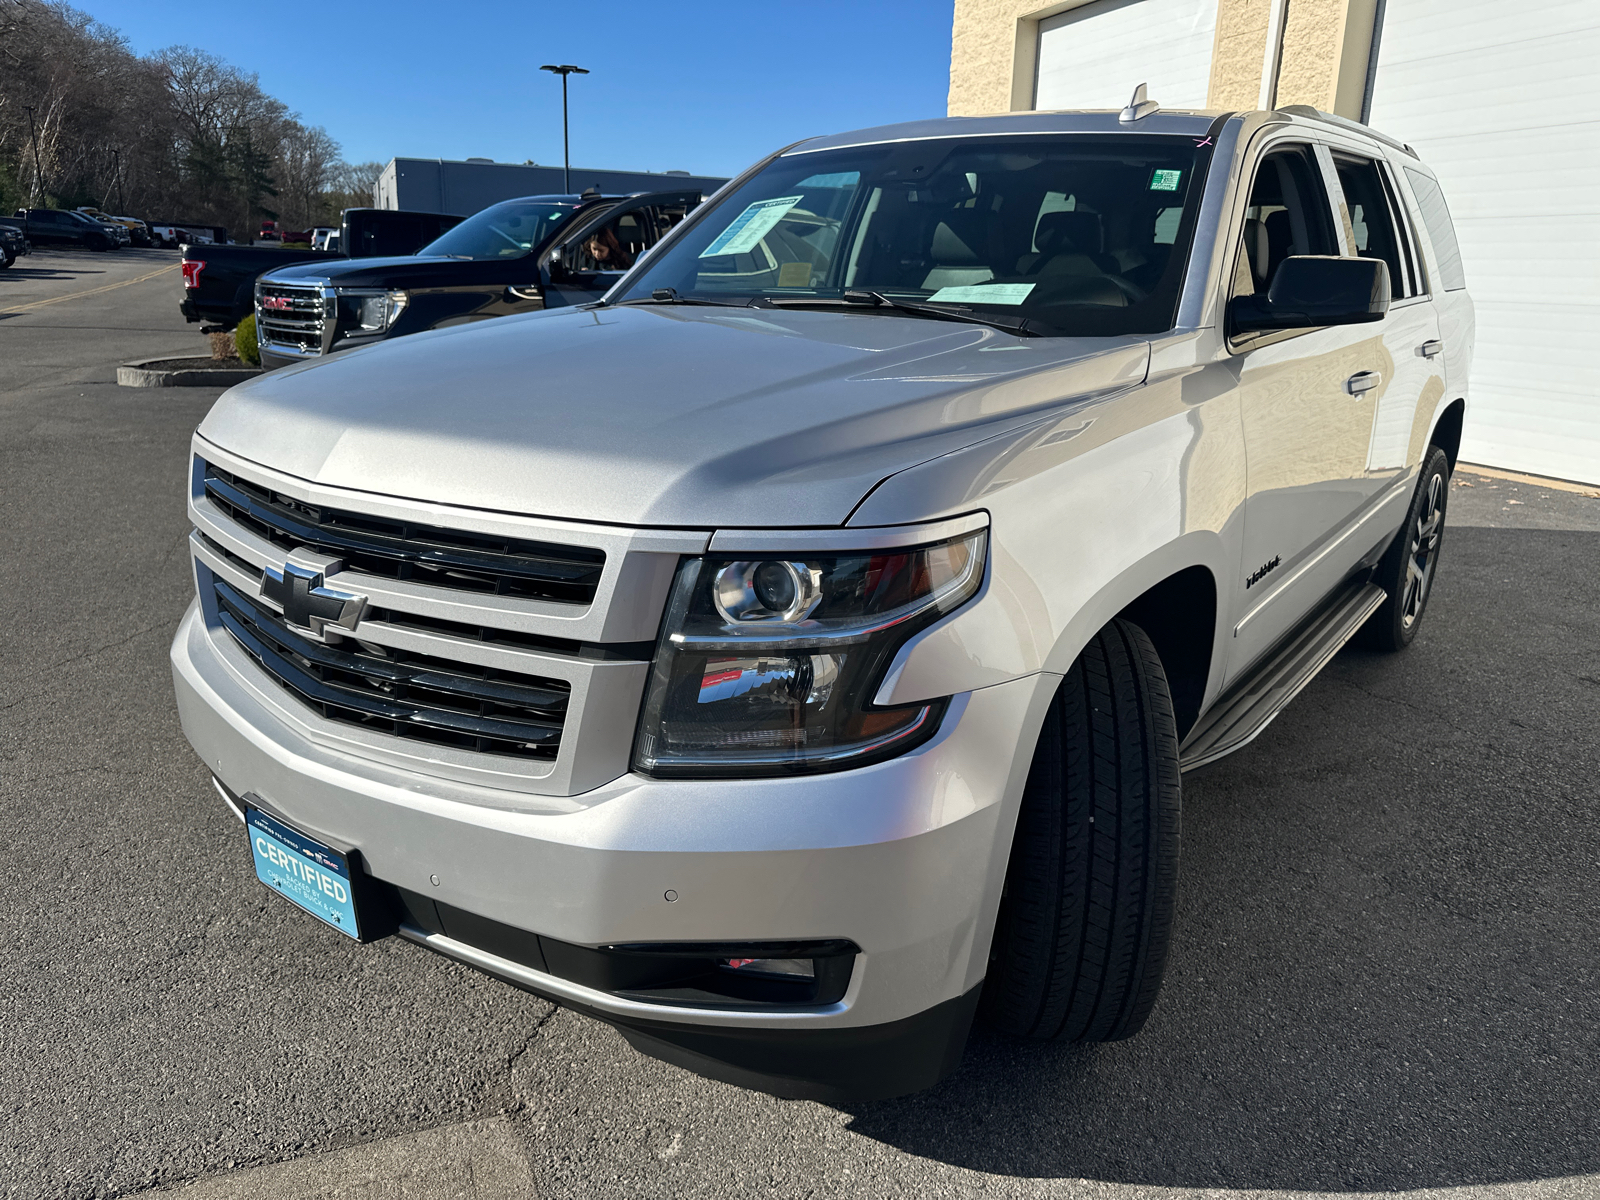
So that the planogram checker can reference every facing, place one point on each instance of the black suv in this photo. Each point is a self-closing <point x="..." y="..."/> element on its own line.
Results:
<point x="517" y="256"/>
<point x="53" y="227"/>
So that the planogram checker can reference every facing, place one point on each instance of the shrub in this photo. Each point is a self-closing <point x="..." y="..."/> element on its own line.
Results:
<point x="244" y="341"/>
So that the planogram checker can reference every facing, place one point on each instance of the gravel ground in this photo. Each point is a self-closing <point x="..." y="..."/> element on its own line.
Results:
<point x="1384" y="979"/>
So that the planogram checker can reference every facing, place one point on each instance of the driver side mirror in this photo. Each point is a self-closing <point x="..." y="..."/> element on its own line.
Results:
<point x="1312" y="290"/>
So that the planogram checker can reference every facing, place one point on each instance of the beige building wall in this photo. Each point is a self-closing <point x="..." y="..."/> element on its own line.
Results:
<point x="994" y="44"/>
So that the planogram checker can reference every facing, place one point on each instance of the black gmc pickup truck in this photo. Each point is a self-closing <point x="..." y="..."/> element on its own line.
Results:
<point x="219" y="281"/>
<point x="516" y="256"/>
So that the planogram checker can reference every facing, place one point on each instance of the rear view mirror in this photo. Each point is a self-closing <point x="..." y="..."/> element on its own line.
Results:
<point x="1311" y="290"/>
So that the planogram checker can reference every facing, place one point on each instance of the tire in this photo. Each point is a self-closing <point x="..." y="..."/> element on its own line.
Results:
<point x="1407" y="570"/>
<point x="1080" y="943"/>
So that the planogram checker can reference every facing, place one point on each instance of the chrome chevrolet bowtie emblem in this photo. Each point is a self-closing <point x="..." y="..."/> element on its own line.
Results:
<point x="306" y="602"/>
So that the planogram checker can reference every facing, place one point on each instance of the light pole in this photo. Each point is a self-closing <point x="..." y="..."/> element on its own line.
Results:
<point x="38" y="168"/>
<point x="116" y="157"/>
<point x="564" y="70"/>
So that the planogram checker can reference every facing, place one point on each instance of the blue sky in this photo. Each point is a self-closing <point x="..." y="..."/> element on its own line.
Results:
<point x="703" y="87"/>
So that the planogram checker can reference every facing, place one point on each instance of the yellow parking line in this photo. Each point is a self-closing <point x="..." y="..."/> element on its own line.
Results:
<point x="109" y="287"/>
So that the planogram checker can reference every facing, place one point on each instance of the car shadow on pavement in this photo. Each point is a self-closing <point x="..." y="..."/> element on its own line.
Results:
<point x="17" y="271"/>
<point x="1384" y="973"/>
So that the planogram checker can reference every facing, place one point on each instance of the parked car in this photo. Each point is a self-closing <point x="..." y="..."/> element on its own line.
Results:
<point x="172" y="234"/>
<point x="517" y="256"/>
<point x="138" y="231"/>
<point x="57" y="227"/>
<point x="795" y="653"/>
<point x="219" y="283"/>
<point x="320" y="235"/>
<point x="13" y="244"/>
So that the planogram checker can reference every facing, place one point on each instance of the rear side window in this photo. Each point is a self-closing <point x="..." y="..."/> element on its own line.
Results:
<point x="1430" y="200"/>
<point x="1375" y="225"/>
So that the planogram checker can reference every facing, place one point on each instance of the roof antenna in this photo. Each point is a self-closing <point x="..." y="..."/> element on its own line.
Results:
<point x="1139" y="107"/>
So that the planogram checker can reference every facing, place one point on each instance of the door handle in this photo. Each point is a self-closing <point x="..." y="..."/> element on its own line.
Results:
<point x="1362" y="381"/>
<point x="528" y="292"/>
<point x="1430" y="348"/>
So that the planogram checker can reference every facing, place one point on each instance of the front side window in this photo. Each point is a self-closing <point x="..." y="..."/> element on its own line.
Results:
<point x="1064" y="235"/>
<point x="506" y="230"/>
<point x="1287" y="215"/>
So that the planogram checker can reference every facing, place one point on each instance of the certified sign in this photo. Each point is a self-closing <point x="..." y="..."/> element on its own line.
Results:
<point x="307" y="872"/>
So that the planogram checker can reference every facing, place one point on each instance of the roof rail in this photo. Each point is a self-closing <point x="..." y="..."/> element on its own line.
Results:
<point x="1139" y="107"/>
<point x="1316" y="114"/>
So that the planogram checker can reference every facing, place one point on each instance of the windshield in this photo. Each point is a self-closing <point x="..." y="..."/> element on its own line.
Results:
<point x="506" y="230"/>
<point x="1075" y="234"/>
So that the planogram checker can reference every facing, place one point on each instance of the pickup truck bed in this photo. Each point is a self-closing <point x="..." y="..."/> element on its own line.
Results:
<point x="219" y="281"/>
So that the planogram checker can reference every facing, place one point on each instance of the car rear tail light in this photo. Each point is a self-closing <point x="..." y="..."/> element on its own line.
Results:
<point x="191" y="272"/>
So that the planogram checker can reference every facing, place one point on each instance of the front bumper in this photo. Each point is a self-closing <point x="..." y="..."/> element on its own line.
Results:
<point x="904" y="858"/>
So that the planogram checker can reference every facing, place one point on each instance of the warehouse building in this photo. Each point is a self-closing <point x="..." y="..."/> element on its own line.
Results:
<point x="445" y="186"/>
<point x="1501" y="99"/>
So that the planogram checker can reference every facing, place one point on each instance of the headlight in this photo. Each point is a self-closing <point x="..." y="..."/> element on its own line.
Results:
<point x="769" y="666"/>
<point x="369" y="312"/>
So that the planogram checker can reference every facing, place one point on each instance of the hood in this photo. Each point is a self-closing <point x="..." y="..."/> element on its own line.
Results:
<point x="407" y="271"/>
<point x="666" y="416"/>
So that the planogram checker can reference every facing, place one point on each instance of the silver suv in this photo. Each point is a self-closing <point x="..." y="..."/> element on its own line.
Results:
<point x="795" y="654"/>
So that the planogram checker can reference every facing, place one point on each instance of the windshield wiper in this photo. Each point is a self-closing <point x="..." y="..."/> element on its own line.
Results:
<point x="670" y="296"/>
<point x="859" y="299"/>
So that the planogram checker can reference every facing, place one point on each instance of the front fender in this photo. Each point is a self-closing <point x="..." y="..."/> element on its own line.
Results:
<point x="1088" y="511"/>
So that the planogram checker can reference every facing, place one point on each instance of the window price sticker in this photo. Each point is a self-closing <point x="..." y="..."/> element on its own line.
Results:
<point x="750" y="226"/>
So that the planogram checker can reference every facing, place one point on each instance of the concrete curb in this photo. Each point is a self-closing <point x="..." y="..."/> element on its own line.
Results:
<point x="145" y="374"/>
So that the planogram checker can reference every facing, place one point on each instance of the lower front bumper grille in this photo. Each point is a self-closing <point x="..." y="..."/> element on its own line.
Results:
<point x="414" y="696"/>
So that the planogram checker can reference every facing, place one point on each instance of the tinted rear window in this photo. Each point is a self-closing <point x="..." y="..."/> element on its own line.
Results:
<point x="1430" y="200"/>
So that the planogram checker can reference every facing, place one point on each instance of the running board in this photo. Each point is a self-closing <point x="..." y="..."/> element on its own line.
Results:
<point x="1238" y="718"/>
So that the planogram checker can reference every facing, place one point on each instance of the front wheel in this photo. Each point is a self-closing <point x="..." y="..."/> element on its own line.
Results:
<point x="1409" y="565"/>
<point x="1080" y="944"/>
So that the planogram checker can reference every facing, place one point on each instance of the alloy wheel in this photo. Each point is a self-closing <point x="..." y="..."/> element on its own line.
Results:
<point x="1422" y="553"/>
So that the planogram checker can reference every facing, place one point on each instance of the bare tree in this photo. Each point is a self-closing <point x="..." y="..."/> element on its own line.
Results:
<point x="180" y="134"/>
<point x="308" y="158"/>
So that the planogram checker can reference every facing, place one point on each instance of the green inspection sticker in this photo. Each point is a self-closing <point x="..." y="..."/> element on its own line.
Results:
<point x="1164" y="179"/>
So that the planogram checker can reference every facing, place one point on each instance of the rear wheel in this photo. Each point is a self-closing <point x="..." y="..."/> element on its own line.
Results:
<point x="1409" y="565"/>
<point x="1081" y="940"/>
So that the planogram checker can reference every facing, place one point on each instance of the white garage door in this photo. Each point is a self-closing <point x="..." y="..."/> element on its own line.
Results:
<point x="1094" y="56"/>
<point x="1503" y="101"/>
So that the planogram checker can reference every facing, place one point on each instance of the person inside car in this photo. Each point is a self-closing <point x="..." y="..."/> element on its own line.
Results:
<point x="606" y="251"/>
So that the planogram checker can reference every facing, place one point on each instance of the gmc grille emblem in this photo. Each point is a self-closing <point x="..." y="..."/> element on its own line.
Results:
<point x="307" y="602"/>
<point x="276" y="303"/>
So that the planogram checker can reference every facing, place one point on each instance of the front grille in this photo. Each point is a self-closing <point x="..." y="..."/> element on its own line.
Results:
<point x="291" y="317"/>
<point x="405" y="550"/>
<point x="413" y="696"/>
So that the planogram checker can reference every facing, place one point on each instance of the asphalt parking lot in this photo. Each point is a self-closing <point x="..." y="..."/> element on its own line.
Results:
<point x="1385" y="979"/>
